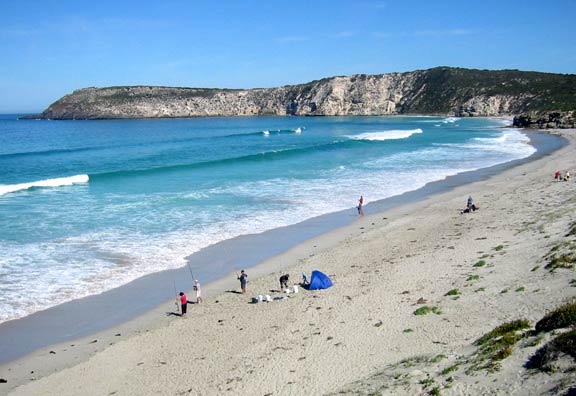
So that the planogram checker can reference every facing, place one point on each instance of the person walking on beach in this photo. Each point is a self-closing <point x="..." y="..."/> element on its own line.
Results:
<point x="361" y="206"/>
<point x="243" y="278"/>
<point x="183" y="303"/>
<point x="198" y="291"/>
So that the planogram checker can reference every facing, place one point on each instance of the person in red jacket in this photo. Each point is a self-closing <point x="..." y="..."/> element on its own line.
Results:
<point x="183" y="303"/>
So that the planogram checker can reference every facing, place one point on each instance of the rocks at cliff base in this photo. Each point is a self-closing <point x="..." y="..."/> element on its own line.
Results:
<point x="546" y="120"/>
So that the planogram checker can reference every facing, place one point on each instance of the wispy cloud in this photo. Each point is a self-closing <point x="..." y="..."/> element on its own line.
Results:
<point x="425" y="33"/>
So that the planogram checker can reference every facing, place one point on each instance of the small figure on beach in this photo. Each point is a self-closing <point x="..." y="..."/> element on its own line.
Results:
<point x="470" y="206"/>
<point x="558" y="176"/>
<point x="183" y="303"/>
<point x="198" y="291"/>
<point x="360" y="206"/>
<point x="284" y="281"/>
<point x="567" y="176"/>
<point x="243" y="278"/>
<point x="304" y="279"/>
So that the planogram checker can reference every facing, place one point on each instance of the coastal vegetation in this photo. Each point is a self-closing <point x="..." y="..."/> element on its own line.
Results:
<point x="427" y="309"/>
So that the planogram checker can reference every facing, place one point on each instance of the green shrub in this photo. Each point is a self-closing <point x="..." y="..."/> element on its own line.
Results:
<point x="545" y="357"/>
<point x="434" y="391"/>
<point x="449" y="369"/>
<point x="480" y="263"/>
<point x="561" y="317"/>
<point x="453" y="292"/>
<point x="561" y="261"/>
<point x="566" y="343"/>
<point x="426" y="310"/>
<point x="438" y="358"/>
<point x="504" y="329"/>
<point x="473" y="278"/>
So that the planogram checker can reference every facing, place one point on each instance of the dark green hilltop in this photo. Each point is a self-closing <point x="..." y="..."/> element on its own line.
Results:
<point x="535" y="99"/>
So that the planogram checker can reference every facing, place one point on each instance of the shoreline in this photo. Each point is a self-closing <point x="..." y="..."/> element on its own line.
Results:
<point x="97" y="313"/>
<point x="295" y="256"/>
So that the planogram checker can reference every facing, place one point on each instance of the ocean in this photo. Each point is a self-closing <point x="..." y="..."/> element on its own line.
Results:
<point x="87" y="206"/>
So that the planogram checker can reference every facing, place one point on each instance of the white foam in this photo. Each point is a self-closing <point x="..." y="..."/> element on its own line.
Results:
<point x="298" y="130"/>
<point x="450" y="120"/>
<point x="386" y="135"/>
<point x="266" y="133"/>
<point x="511" y="142"/>
<point x="61" y="181"/>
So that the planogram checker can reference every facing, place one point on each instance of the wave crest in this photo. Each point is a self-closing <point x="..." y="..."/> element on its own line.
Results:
<point x="387" y="135"/>
<point x="61" y="181"/>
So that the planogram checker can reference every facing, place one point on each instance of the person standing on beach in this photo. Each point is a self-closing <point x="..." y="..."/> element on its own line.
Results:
<point x="361" y="206"/>
<point x="243" y="278"/>
<point x="198" y="291"/>
<point x="183" y="303"/>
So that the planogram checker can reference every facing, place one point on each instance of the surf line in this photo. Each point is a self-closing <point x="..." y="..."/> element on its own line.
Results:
<point x="58" y="182"/>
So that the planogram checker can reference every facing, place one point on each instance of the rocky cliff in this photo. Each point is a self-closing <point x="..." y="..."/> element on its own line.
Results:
<point x="442" y="90"/>
<point x="546" y="120"/>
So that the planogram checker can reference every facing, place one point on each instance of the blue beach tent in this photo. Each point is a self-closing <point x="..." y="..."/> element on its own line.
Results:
<point x="319" y="280"/>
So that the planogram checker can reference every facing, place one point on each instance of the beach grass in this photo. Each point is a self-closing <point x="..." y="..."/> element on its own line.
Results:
<point x="425" y="310"/>
<point x="561" y="317"/>
<point x="480" y="263"/>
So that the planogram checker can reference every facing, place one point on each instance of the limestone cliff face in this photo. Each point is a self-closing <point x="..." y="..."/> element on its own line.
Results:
<point x="441" y="90"/>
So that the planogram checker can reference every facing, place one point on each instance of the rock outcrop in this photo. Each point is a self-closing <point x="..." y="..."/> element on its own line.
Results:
<point x="442" y="90"/>
<point x="546" y="120"/>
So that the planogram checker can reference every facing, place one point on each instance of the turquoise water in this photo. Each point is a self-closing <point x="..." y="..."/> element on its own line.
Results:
<point x="86" y="206"/>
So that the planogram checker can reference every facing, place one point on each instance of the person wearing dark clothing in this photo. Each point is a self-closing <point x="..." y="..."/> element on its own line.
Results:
<point x="284" y="281"/>
<point x="243" y="278"/>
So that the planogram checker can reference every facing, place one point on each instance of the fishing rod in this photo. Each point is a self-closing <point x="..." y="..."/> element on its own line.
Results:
<point x="176" y="295"/>
<point x="191" y="273"/>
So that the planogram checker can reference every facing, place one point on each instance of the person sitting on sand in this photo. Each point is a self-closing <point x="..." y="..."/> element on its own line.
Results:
<point x="243" y="278"/>
<point x="557" y="176"/>
<point x="470" y="206"/>
<point x="567" y="176"/>
<point x="304" y="279"/>
<point x="284" y="281"/>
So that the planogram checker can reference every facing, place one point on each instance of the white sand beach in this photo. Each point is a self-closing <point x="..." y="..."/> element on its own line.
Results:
<point x="384" y="267"/>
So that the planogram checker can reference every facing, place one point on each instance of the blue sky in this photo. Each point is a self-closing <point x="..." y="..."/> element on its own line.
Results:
<point x="49" y="48"/>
